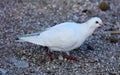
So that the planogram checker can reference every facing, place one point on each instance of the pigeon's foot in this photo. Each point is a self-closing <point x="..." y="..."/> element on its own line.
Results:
<point x="72" y="58"/>
<point x="51" y="56"/>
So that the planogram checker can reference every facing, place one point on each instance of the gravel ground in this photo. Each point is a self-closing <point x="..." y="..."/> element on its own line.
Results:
<point x="99" y="55"/>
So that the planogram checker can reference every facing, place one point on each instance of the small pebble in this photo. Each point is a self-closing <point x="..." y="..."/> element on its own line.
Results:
<point x="88" y="12"/>
<point x="112" y="39"/>
<point x="112" y="73"/>
<point x="2" y="71"/>
<point x="95" y="1"/>
<point x="104" y="6"/>
<point x="60" y="57"/>
<point x="19" y="63"/>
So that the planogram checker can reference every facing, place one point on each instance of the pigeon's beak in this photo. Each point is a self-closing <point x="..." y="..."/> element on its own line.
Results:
<point x="102" y="25"/>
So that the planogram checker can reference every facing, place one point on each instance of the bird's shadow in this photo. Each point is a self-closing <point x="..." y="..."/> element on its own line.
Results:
<point x="84" y="51"/>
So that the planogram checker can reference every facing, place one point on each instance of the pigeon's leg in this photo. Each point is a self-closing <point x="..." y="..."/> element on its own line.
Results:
<point x="50" y="53"/>
<point x="71" y="57"/>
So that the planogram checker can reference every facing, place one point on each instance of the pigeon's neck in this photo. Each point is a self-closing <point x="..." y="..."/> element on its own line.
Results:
<point x="89" y="30"/>
<point x="90" y="27"/>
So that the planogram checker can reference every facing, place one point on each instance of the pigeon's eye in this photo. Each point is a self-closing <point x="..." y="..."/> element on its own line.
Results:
<point x="97" y="22"/>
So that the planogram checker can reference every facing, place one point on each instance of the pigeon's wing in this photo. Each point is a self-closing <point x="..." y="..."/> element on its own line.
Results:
<point x="58" y="37"/>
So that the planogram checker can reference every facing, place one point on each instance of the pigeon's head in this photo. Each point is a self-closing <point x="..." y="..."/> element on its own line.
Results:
<point x="95" y="22"/>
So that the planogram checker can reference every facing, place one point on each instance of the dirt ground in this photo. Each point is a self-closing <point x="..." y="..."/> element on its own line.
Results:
<point x="98" y="55"/>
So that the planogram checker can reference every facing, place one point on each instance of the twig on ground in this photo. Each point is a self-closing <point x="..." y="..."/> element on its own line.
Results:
<point x="113" y="32"/>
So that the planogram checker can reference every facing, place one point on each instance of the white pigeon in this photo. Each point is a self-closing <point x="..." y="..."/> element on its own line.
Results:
<point x="65" y="36"/>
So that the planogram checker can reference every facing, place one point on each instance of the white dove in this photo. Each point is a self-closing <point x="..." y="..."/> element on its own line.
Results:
<point x="64" y="37"/>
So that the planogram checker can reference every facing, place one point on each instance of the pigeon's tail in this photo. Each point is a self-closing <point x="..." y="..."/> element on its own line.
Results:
<point x="18" y="39"/>
<point x="27" y="38"/>
<point x="21" y="39"/>
<point x="31" y="39"/>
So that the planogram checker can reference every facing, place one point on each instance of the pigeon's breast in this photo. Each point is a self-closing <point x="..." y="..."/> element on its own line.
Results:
<point x="82" y="33"/>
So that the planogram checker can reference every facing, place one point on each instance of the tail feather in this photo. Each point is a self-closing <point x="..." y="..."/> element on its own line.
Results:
<point x="24" y="38"/>
<point x="18" y="39"/>
<point x="32" y="38"/>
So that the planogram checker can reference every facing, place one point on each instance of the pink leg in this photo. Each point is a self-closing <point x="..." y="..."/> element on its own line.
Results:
<point x="71" y="57"/>
<point x="51" y="56"/>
